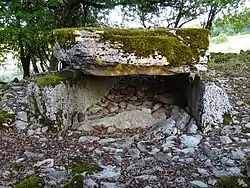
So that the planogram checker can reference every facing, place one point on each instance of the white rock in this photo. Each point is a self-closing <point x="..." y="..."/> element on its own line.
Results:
<point x="45" y="129"/>
<point x="123" y="120"/>
<point x="202" y="171"/>
<point x="215" y="105"/>
<point x="191" y="141"/>
<point x="20" y="124"/>
<point x="198" y="184"/>
<point x="48" y="163"/>
<point x="247" y="125"/>
<point x="22" y="116"/>
<point x="234" y="171"/>
<point x="108" y="172"/>
<point x="90" y="183"/>
<point x="88" y="139"/>
<point x="166" y="127"/>
<point x="237" y="154"/>
<point x="208" y="163"/>
<point x="192" y="129"/>
<point x="225" y="140"/>
<point x="30" y="132"/>
<point x="227" y="161"/>
<point x="147" y="177"/>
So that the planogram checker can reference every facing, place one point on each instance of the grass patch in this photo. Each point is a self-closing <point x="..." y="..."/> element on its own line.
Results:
<point x="18" y="167"/>
<point x="31" y="182"/>
<point x="233" y="182"/>
<point x="76" y="181"/>
<point x="227" y="119"/>
<point x="6" y="117"/>
<point x="87" y="166"/>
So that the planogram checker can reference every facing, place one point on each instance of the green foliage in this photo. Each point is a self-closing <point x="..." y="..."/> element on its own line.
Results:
<point x="18" y="167"/>
<point x="248" y="102"/>
<point x="50" y="80"/>
<point x="85" y="166"/>
<point x="222" y="38"/>
<point x="31" y="182"/>
<point x="76" y="181"/>
<point x="227" y="119"/>
<point x="233" y="23"/>
<point x="233" y="182"/>
<point x="6" y="117"/>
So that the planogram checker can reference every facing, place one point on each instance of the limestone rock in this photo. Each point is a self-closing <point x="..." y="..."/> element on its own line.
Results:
<point x="115" y="52"/>
<point x="215" y="105"/>
<point x="191" y="141"/>
<point x="198" y="184"/>
<point x="58" y="104"/>
<point x="123" y="120"/>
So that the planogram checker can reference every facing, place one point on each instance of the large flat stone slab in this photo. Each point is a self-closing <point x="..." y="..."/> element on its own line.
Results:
<point x="115" y="52"/>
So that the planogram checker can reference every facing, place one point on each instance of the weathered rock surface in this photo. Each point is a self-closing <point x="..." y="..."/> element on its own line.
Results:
<point x="64" y="104"/>
<point x="117" y="52"/>
<point x="124" y="120"/>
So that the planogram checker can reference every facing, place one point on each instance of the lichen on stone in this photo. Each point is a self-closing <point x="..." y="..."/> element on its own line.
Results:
<point x="6" y="117"/>
<point x="76" y="181"/>
<point x="31" y="182"/>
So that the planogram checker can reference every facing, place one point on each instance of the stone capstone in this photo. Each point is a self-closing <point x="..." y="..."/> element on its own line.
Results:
<point x="119" y="52"/>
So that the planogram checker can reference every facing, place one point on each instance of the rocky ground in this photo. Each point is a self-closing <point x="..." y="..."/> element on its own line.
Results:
<point x="172" y="153"/>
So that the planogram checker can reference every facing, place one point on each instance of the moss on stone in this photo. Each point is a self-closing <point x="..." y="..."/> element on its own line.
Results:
<point x="18" y="167"/>
<point x="227" y="119"/>
<point x="65" y="36"/>
<point x="50" y="80"/>
<point x="233" y="182"/>
<point x="31" y="182"/>
<point x="206" y="78"/>
<point x="76" y="181"/>
<point x="87" y="166"/>
<point x="6" y="117"/>
<point x="248" y="102"/>
<point x="179" y="46"/>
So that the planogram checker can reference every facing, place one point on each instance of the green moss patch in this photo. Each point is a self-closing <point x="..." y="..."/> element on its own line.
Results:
<point x="227" y="119"/>
<point x="179" y="46"/>
<point x="233" y="182"/>
<point x="6" y="117"/>
<point x="17" y="167"/>
<point x="65" y="36"/>
<point x="87" y="166"/>
<point x="31" y="182"/>
<point x="76" y="181"/>
<point x="50" y="80"/>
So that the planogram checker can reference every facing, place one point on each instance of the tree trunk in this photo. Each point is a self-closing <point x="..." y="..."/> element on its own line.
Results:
<point x="25" y="59"/>
<point x="26" y="66"/>
<point x="33" y="60"/>
<point x="53" y="64"/>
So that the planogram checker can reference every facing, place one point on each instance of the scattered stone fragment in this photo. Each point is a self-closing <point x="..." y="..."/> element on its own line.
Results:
<point x="225" y="140"/>
<point x="198" y="184"/>
<point x="88" y="139"/>
<point x="237" y="154"/>
<point x="190" y="141"/>
<point x="20" y="124"/>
